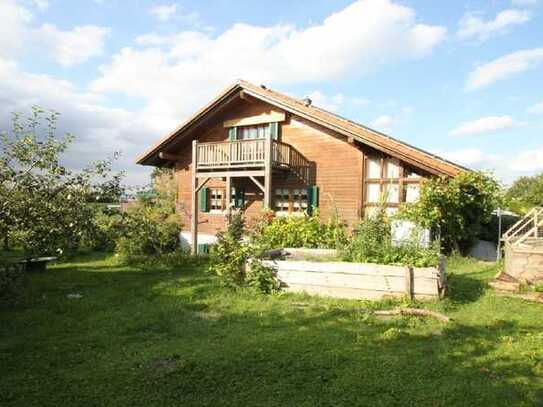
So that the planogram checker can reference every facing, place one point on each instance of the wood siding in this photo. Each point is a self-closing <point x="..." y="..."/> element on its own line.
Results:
<point x="337" y="165"/>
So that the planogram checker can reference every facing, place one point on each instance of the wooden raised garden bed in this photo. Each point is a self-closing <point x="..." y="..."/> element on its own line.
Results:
<point x="356" y="280"/>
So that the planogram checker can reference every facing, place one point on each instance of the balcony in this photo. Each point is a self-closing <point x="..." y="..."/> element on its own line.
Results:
<point x="256" y="154"/>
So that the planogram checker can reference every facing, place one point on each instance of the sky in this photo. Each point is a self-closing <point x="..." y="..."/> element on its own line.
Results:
<point x="462" y="79"/>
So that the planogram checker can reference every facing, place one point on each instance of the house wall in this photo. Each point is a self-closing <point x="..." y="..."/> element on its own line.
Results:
<point x="338" y="168"/>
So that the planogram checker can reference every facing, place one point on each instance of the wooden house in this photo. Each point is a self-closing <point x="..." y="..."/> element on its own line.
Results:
<point x="254" y="148"/>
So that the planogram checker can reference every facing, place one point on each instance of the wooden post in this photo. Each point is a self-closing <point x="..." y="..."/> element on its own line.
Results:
<point x="268" y="171"/>
<point x="409" y="282"/>
<point x="194" y="207"/>
<point x="228" y="200"/>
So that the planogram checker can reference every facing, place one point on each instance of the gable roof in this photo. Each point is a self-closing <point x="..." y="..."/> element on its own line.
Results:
<point x="358" y="132"/>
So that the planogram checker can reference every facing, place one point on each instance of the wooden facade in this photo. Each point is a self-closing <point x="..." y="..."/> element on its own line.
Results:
<point x="251" y="149"/>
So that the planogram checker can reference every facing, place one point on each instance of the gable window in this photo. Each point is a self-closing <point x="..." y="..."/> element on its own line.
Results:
<point x="388" y="182"/>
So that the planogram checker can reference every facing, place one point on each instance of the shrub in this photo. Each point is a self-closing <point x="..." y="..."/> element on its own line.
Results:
<point x="148" y="228"/>
<point x="299" y="231"/>
<point x="146" y="232"/>
<point x="456" y="207"/>
<point x="229" y="257"/>
<point x="104" y="231"/>
<point x="371" y="243"/>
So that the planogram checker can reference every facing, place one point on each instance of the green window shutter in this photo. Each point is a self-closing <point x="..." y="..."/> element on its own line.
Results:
<point x="204" y="201"/>
<point x="239" y="198"/>
<point x="274" y="130"/>
<point x="232" y="133"/>
<point x="312" y="198"/>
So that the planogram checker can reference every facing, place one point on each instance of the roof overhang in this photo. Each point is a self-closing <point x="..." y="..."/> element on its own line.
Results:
<point x="365" y="135"/>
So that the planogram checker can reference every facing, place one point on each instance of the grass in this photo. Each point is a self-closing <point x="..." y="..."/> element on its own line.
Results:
<point x="176" y="337"/>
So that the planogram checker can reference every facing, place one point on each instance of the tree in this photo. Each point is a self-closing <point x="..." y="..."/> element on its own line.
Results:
<point x="457" y="207"/>
<point x="43" y="205"/>
<point x="525" y="193"/>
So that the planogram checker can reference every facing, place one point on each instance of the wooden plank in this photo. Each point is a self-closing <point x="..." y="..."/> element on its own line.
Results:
<point x="409" y="282"/>
<point x="394" y="284"/>
<point x="258" y="184"/>
<point x="169" y="157"/>
<point x="201" y="184"/>
<point x="357" y="268"/>
<point x="268" y="172"/>
<point x="228" y="198"/>
<point x="263" y="118"/>
<point x="233" y="174"/>
<point x="347" y="293"/>
<point x="194" y="206"/>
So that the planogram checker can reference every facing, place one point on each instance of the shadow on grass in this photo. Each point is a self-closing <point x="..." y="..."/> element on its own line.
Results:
<point x="177" y="338"/>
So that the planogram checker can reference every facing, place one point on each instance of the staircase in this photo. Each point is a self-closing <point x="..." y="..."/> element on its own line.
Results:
<point x="527" y="231"/>
<point x="523" y="244"/>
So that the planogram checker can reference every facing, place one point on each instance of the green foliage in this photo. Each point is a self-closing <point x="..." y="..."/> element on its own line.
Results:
<point x="43" y="205"/>
<point x="456" y="207"/>
<point x="105" y="229"/>
<point x="299" y="231"/>
<point x="229" y="257"/>
<point x="148" y="228"/>
<point x="12" y="282"/>
<point x="525" y="193"/>
<point x="371" y="243"/>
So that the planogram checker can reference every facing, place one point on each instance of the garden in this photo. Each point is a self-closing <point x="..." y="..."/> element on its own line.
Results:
<point x="126" y="316"/>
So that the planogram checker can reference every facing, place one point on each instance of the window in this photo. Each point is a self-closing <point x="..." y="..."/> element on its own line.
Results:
<point x="259" y="131"/>
<point x="290" y="200"/>
<point x="282" y="200"/>
<point x="217" y="199"/>
<point x="389" y="181"/>
<point x="299" y="200"/>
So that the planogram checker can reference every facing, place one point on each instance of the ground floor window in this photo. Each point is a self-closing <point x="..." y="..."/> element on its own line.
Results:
<point x="217" y="199"/>
<point x="290" y="200"/>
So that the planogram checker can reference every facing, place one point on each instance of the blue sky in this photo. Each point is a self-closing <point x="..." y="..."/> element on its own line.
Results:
<point x="463" y="79"/>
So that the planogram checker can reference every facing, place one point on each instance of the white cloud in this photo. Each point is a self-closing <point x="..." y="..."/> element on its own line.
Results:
<point x="335" y="102"/>
<point x="504" y="67"/>
<point x="74" y="46"/>
<point x="472" y="26"/>
<point x="536" y="109"/>
<point x="472" y="157"/>
<point x="99" y="130"/>
<point x="164" y="12"/>
<point x="14" y="19"/>
<point x="67" y="47"/>
<point x="383" y="122"/>
<point x="357" y="39"/>
<point x="484" y="125"/>
<point x="529" y="160"/>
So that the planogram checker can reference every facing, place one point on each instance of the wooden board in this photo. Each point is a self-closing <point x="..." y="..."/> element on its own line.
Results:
<point x="357" y="280"/>
<point x="268" y="117"/>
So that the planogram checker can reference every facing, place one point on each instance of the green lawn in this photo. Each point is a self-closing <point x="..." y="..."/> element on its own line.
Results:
<point x="163" y="337"/>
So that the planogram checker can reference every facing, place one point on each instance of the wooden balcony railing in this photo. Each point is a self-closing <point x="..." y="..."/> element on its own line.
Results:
<point x="250" y="154"/>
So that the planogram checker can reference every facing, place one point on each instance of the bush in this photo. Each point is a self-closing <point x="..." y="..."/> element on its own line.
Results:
<point x="146" y="232"/>
<point x="299" y="231"/>
<point x="150" y="227"/>
<point x="371" y="243"/>
<point x="229" y="257"/>
<point x="456" y="207"/>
